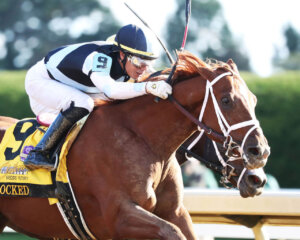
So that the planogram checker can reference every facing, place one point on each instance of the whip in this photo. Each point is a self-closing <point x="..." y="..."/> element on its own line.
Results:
<point x="161" y="43"/>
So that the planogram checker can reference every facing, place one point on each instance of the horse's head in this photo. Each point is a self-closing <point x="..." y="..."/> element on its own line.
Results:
<point x="228" y="107"/>
<point x="250" y="183"/>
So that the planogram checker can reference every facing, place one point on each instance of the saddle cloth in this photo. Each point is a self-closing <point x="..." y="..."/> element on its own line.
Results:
<point x="17" y="180"/>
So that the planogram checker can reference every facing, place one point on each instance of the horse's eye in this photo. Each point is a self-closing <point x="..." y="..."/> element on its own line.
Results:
<point x="225" y="100"/>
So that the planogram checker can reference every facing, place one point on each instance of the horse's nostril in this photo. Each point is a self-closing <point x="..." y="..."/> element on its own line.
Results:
<point x="254" y="180"/>
<point x="255" y="151"/>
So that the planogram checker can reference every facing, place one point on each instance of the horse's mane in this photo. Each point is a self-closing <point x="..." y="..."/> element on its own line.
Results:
<point x="188" y="66"/>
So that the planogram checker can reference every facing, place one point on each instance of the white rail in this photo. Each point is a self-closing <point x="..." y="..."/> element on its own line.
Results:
<point x="275" y="208"/>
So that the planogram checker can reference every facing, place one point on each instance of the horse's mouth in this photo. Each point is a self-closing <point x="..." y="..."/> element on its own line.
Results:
<point x="251" y="192"/>
<point x="253" y="183"/>
<point x="254" y="163"/>
<point x="247" y="190"/>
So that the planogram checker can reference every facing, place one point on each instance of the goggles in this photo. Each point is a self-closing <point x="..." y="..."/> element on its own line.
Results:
<point x="139" y="62"/>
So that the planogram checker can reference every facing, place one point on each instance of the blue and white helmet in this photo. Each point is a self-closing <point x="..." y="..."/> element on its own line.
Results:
<point x="133" y="40"/>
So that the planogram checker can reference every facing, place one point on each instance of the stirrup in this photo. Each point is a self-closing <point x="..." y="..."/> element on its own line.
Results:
<point x="38" y="159"/>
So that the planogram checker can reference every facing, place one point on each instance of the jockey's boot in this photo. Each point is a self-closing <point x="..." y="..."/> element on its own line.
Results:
<point x="40" y="156"/>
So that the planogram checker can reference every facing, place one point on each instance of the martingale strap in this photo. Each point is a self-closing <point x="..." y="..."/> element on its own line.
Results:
<point x="67" y="204"/>
<point x="71" y="213"/>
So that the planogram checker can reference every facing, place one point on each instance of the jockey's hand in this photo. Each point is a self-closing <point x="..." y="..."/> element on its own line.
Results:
<point x="160" y="89"/>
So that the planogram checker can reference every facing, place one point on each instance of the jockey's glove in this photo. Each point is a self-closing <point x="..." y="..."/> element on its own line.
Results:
<point x="160" y="89"/>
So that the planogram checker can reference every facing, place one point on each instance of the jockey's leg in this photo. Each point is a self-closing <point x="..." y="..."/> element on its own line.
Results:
<point x="40" y="156"/>
<point x="49" y="96"/>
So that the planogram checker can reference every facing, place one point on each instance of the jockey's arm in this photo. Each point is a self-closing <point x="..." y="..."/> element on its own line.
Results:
<point x="125" y="90"/>
<point x="117" y="90"/>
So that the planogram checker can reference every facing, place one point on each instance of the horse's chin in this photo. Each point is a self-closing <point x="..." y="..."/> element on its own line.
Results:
<point x="254" y="163"/>
<point x="246" y="192"/>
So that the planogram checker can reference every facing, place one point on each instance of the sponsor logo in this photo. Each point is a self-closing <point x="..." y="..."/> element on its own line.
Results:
<point x="14" y="190"/>
<point x="18" y="170"/>
<point x="25" y="152"/>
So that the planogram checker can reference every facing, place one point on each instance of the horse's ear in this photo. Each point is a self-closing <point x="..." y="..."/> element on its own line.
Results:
<point x="232" y="65"/>
<point x="206" y="73"/>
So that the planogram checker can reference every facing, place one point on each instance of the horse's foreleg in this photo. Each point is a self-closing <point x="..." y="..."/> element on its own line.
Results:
<point x="135" y="222"/>
<point x="3" y="223"/>
<point x="170" y="202"/>
<point x="182" y="219"/>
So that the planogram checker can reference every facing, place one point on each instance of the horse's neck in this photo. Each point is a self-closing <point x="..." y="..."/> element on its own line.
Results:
<point x="160" y="125"/>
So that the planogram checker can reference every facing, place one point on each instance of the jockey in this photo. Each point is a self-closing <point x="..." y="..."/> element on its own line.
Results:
<point x="68" y="78"/>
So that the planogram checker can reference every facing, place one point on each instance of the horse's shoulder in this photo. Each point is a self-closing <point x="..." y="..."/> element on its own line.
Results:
<point x="2" y="132"/>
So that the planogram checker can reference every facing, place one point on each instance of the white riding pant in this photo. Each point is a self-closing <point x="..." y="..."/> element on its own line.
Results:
<point x="49" y="96"/>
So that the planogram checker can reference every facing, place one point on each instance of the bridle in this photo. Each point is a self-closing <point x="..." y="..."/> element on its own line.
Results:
<point x="224" y="167"/>
<point x="226" y="129"/>
<point x="226" y="139"/>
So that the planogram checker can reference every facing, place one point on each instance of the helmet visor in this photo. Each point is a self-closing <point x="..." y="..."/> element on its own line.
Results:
<point x="139" y="62"/>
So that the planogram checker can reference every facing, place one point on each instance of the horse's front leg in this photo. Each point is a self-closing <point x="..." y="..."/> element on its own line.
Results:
<point x="135" y="222"/>
<point x="170" y="202"/>
<point x="182" y="219"/>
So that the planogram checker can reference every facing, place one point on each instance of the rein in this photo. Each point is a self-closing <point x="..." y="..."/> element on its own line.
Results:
<point x="212" y="134"/>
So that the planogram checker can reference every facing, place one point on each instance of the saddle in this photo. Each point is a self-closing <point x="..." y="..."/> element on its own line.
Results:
<point x="18" y="181"/>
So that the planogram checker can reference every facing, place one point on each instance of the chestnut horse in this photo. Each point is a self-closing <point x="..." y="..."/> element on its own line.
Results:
<point x="126" y="184"/>
<point x="250" y="183"/>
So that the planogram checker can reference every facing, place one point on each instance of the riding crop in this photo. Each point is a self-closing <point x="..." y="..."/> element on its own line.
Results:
<point x="188" y="8"/>
<point x="161" y="43"/>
